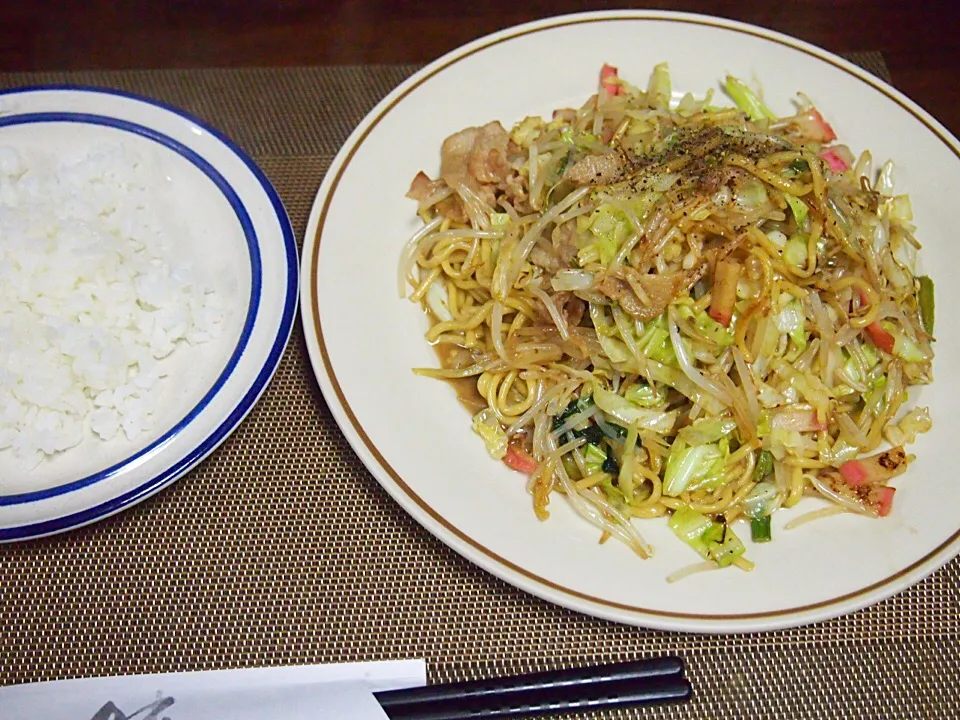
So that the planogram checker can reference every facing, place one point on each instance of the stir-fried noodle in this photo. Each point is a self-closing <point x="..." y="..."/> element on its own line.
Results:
<point x="676" y="309"/>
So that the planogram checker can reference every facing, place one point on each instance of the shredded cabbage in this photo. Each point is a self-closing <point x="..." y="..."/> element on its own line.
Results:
<point x="487" y="426"/>
<point x="626" y="412"/>
<point x="747" y="100"/>
<point x="707" y="430"/>
<point x="692" y="467"/>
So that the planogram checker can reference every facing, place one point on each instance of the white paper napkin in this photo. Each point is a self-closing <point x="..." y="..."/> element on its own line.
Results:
<point x="317" y="692"/>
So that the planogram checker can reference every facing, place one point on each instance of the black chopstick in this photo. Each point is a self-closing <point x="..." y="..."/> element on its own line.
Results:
<point x="620" y="685"/>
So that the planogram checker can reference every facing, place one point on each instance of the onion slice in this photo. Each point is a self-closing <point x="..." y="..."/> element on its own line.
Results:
<point x="683" y="358"/>
<point x="749" y="387"/>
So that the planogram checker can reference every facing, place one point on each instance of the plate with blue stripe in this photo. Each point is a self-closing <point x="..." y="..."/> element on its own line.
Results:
<point x="151" y="282"/>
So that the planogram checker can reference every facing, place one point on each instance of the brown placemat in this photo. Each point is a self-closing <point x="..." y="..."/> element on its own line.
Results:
<point x="282" y="549"/>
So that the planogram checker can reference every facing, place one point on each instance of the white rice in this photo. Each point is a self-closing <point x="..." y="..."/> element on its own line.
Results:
<point x="94" y="295"/>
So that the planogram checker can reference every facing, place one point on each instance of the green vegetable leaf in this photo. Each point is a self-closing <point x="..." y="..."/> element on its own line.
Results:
<point x="752" y="194"/>
<point x="903" y="347"/>
<point x="573" y="407"/>
<point x="592" y="434"/>
<point x="526" y="131"/>
<point x="611" y="466"/>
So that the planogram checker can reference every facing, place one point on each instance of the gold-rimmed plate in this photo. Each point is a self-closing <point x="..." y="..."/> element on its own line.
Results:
<point x="416" y="439"/>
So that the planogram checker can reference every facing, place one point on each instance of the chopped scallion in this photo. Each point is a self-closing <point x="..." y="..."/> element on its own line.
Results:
<point x="760" y="529"/>
<point x="764" y="465"/>
<point x="926" y="303"/>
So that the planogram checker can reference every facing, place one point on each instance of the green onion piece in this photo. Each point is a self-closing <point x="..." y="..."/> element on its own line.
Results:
<point x="690" y="526"/>
<point x="710" y="539"/>
<point x="760" y="529"/>
<point x="725" y="551"/>
<point x="926" y="303"/>
<point x="764" y="465"/>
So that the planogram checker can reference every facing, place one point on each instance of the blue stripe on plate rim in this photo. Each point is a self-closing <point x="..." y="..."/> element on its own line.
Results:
<point x="249" y="399"/>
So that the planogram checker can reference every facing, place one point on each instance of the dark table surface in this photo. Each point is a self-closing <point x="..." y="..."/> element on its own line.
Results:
<point x="919" y="40"/>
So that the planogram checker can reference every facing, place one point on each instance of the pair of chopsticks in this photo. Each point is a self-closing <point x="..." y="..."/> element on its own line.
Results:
<point x="603" y="687"/>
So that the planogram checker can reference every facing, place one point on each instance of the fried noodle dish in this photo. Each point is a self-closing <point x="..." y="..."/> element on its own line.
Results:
<point x="657" y="308"/>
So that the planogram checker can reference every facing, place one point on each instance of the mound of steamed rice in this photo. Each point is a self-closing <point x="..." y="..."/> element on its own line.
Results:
<point x="94" y="299"/>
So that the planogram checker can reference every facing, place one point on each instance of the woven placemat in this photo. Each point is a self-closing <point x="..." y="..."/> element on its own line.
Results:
<point x="282" y="549"/>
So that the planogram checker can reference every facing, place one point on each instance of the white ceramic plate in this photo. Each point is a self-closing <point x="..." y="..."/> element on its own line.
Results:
<point x="239" y="235"/>
<point x="416" y="439"/>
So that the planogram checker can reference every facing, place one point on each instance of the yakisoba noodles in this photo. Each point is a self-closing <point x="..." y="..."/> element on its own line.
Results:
<point x="658" y="309"/>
